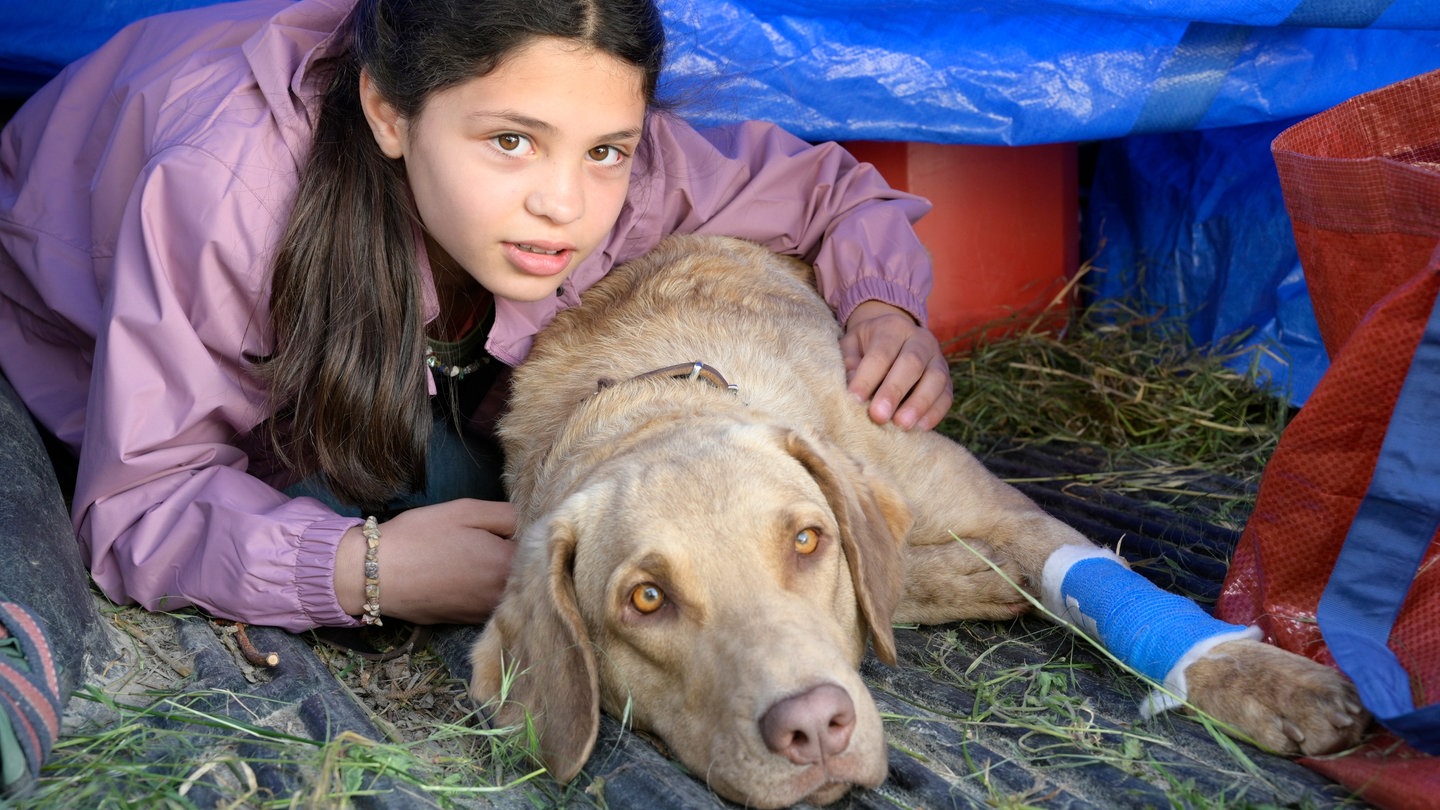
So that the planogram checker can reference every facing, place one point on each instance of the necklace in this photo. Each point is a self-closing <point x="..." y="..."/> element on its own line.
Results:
<point x="456" y="359"/>
<point x="465" y="355"/>
<point x="454" y="372"/>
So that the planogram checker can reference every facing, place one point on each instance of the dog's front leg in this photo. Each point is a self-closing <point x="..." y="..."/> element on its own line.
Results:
<point x="960" y="580"/>
<point x="1283" y="701"/>
<point x="1278" y="699"/>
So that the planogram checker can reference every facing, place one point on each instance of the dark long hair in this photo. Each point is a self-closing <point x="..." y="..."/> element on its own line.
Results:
<point x="347" y="374"/>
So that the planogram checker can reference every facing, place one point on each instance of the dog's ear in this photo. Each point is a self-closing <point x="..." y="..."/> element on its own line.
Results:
<point x="874" y="520"/>
<point x="536" y="654"/>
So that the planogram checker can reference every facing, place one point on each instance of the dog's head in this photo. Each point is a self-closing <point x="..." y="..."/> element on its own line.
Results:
<point x="715" y="584"/>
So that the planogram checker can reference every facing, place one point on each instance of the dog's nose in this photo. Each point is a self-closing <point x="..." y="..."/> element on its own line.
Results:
<point x="808" y="727"/>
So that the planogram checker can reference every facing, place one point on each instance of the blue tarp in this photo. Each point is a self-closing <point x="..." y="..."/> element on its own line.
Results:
<point x="1022" y="71"/>
<point x="1163" y="83"/>
<point x="997" y="72"/>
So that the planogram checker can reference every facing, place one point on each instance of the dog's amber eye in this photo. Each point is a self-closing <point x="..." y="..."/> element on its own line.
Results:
<point x="647" y="597"/>
<point x="807" y="540"/>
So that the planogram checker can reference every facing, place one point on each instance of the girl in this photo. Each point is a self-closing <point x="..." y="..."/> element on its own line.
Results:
<point x="264" y="266"/>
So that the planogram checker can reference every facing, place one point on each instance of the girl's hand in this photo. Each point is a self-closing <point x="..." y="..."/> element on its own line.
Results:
<point x="896" y="365"/>
<point x="442" y="563"/>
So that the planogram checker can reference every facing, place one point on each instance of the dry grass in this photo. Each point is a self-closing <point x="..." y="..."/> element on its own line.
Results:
<point x="1132" y="385"/>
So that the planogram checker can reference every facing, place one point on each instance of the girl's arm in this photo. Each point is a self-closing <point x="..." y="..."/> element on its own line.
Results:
<point x="758" y="182"/>
<point x="165" y="504"/>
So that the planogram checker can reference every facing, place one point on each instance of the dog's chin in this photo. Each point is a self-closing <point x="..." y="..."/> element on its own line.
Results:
<point x="815" y="786"/>
<point x="828" y="793"/>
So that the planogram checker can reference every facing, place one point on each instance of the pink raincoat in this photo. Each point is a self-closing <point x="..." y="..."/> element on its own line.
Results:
<point x="141" y="194"/>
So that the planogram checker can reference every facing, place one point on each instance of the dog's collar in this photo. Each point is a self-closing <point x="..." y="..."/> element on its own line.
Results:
<point x="685" y="371"/>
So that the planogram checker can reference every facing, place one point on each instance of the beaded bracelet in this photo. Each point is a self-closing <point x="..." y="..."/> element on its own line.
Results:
<point x="371" y="531"/>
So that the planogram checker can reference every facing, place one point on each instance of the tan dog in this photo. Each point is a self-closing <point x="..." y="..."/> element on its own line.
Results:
<point x="710" y="563"/>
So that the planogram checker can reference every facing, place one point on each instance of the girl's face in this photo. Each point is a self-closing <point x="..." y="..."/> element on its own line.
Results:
<point x="519" y="174"/>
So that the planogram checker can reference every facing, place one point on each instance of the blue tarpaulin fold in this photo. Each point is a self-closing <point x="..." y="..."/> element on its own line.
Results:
<point x="1192" y="225"/>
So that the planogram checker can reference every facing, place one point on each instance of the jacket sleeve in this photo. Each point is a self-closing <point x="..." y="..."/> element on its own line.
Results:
<point x="164" y="504"/>
<point x="758" y="182"/>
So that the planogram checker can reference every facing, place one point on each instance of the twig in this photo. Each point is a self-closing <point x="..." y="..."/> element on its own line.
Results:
<point x="247" y="648"/>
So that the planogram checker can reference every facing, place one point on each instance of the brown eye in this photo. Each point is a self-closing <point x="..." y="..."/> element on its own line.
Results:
<point x="607" y="155"/>
<point x="647" y="597"/>
<point x="807" y="540"/>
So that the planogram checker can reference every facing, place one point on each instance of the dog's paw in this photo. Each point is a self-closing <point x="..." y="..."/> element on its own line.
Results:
<point x="950" y="581"/>
<point x="1283" y="701"/>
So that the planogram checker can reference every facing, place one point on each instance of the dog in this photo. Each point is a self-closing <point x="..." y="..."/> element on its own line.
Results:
<point x="711" y="531"/>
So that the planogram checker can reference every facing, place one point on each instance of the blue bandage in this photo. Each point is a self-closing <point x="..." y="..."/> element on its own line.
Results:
<point x="1156" y="632"/>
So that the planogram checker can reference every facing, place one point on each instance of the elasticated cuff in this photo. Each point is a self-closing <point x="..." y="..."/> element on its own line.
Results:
<point x="879" y="289"/>
<point x="315" y="573"/>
